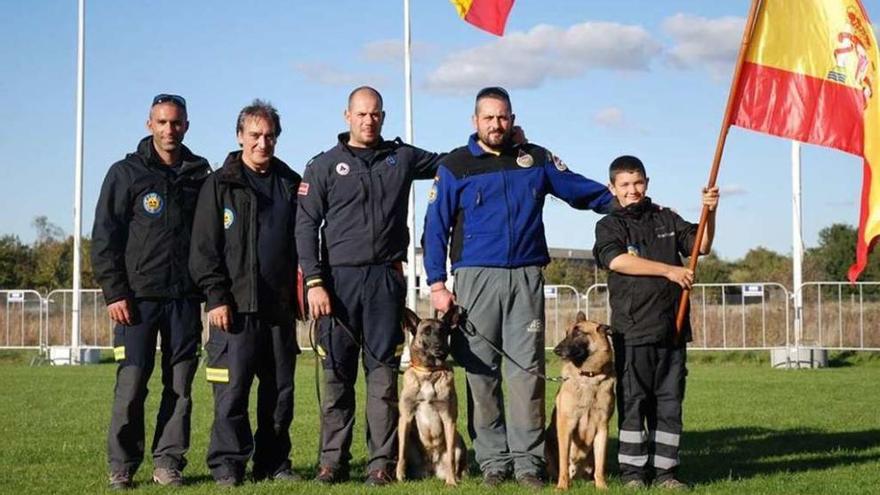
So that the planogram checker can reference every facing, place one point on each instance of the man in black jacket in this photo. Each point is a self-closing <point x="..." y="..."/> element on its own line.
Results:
<point x="243" y="258"/>
<point x="140" y="241"/>
<point x="353" y="203"/>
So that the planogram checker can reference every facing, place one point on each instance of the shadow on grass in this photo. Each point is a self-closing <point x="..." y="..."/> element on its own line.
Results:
<point x="709" y="456"/>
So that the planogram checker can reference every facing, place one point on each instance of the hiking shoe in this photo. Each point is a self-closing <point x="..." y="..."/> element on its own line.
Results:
<point x="634" y="484"/>
<point x="329" y="475"/>
<point x="227" y="481"/>
<point x="168" y="476"/>
<point x="673" y="484"/>
<point x="120" y="480"/>
<point x="286" y="475"/>
<point x="493" y="478"/>
<point x="530" y="480"/>
<point x="378" y="477"/>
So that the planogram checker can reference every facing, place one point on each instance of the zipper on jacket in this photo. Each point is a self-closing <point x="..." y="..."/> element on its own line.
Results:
<point x="252" y="215"/>
<point x="509" y="221"/>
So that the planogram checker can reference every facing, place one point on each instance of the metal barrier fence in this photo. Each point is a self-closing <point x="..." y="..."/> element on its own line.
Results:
<point x="724" y="316"/>
<point x="835" y="315"/>
<point x="841" y="316"/>
<point x="21" y="318"/>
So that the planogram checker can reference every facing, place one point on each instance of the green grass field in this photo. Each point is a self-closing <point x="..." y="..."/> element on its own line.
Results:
<point x="748" y="430"/>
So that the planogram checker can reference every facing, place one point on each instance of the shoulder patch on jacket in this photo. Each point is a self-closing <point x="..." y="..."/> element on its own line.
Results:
<point x="303" y="189"/>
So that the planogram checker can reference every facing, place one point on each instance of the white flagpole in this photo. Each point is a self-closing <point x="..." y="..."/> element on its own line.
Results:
<point x="78" y="180"/>
<point x="797" y="247"/>
<point x="411" y="216"/>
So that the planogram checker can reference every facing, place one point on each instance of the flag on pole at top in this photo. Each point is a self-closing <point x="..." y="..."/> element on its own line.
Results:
<point x="810" y="74"/>
<point x="488" y="15"/>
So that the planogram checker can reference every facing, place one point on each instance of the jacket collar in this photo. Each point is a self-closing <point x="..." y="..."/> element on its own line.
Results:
<point x="382" y="147"/>
<point x="637" y="210"/>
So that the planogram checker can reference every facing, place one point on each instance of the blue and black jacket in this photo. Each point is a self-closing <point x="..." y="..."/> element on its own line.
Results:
<point x="485" y="209"/>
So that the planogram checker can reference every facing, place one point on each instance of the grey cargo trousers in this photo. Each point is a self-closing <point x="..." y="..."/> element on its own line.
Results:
<point x="505" y="305"/>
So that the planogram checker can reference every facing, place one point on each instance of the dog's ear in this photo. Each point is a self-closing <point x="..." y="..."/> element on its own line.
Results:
<point x="580" y="317"/>
<point x="604" y="330"/>
<point x="410" y="321"/>
<point x="453" y="317"/>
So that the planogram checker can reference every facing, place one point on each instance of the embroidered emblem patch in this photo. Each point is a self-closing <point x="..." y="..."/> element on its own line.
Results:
<point x="303" y="189"/>
<point x="342" y="168"/>
<point x="153" y="203"/>
<point x="391" y="160"/>
<point x="524" y="160"/>
<point x="558" y="163"/>
<point x="432" y="193"/>
<point x="228" y="218"/>
<point x="632" y="249"/>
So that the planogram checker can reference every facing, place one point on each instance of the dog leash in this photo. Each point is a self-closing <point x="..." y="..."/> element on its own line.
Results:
<point x="469" y="329"/>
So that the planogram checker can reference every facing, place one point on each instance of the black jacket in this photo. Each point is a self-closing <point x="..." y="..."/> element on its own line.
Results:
<point x="363" y="206"/>
<point x="223" y="257"/>
<point x="643" y="308"/>
<point x="143" y="219"/>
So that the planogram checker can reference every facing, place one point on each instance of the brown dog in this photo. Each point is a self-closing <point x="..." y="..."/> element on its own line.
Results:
<point x="577" y="437"/>
<point x="429" y="444"/>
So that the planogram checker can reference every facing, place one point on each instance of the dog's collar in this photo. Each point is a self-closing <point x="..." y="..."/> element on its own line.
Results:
<point x="425" y="369"/>
<point x="591" y="374"/>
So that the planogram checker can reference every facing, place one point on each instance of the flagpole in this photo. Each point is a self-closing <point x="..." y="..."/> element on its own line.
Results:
<point x="716" y="162"/>
<point x="411" y="215"/>
<point x="78" y="180"/>
<point x="797" y="248"/>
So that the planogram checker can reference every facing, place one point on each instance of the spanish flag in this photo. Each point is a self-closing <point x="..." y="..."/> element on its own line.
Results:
<point x="488" y="15"/>
<point x="810" y="74"/>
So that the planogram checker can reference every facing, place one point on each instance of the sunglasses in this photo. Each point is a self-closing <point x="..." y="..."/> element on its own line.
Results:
<point x="166" y="98"/>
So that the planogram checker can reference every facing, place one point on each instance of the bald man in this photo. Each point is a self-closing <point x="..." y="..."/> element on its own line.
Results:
<point x="353" y="204"/>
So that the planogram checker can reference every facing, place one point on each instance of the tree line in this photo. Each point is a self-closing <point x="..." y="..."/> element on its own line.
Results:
<point x="47" y="263"/>
<point x="829" y="261"/>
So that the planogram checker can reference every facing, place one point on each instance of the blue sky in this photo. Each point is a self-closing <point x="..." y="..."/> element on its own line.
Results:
<point x="589" y="80"/>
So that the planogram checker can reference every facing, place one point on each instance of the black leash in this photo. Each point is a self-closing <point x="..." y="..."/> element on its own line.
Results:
<point x="470" y="330"/>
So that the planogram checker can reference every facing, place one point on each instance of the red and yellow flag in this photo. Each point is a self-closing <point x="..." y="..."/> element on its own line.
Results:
<point x="810" y="74"/>
<point x="488" y="15"/>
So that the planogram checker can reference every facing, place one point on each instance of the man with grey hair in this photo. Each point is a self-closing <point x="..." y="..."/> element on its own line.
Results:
<point x="243" y="257"/>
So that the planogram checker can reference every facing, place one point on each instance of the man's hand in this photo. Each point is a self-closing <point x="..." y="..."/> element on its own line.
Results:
<point x="441" y="298"/>
<point x="120" y="312"/>
<point x="319" y="302"/>
<point x="710" y="197"/>
<point x="221" y="318"/>
<point x="681" y="275"/>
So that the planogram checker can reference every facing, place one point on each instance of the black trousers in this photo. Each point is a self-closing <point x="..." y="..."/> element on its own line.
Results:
<point x="369" y="301"/>
<point x="254" y="347"/>
<point x="650" y="391"/>
<point x="179" y="323"/>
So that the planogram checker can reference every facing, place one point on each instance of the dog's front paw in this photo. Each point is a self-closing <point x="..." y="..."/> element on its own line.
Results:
<point x="601" y="485"/>
<point x="451" y="482"/>
<point x="401" y="472"/>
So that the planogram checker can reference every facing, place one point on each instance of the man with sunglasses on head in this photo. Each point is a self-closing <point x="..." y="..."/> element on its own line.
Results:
<point x="140" y="243"/>
<point x="485" y="210"/>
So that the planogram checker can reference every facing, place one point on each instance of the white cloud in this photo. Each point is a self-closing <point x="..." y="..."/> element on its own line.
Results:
<point x="391" y="51"/>
<point x="732" y="190"/>
<point x="324" y="74"/>
<point x="704" y="43"/>
<point x="528" y="59"/>
<point x="609" y="117"/>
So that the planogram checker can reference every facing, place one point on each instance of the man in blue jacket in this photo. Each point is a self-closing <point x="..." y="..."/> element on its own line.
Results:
<point x="485" y="211"/>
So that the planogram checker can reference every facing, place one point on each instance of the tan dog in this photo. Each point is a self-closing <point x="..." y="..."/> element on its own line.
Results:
<point x="429" y="444"/>
<point x="577" y="438"/>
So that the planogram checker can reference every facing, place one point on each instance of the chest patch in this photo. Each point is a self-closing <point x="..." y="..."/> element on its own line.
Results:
<point x="342" y="168"/>
<point x="633" y="250"/>
<point x="153" y="203"/>
<point x="391" y="160"/>
<point x="524" y="160"/>
<point x="432" y="193"/>
<point x="228" y="218"/>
